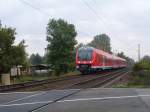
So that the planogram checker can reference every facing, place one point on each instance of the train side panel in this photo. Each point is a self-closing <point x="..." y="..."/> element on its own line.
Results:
<point x="100" y="61"/>
<point x="97" y="61"/>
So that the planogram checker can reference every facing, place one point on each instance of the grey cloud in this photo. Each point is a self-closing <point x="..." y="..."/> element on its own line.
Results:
<point x="126" y="21"/>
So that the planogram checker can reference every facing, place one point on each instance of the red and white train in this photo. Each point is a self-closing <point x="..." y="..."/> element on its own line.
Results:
<point x="91" y="59"/>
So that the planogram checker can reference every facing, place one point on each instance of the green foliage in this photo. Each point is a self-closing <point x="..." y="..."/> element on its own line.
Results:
<point x="130" y="62"/>
<point x="79" y="45"/>
<point x="36" y="59"/>
<point x="19" y="54"/>
<point x="142" y="65"/>
<point x="9" y="53"/>
<point x="101" y="42"/>
<point x="122" y="55"/>
<point x="146" y="58"/>
<point x="141" y="74"/>
<point x="45" y="59"/>
<point x="137" y="67"/>
<point x="140" y="79"/>
<point x="61" y="41"/>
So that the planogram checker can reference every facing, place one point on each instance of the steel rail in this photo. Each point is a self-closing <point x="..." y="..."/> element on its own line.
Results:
<point x="102" y="79"/>
<point x="25" y="85"/>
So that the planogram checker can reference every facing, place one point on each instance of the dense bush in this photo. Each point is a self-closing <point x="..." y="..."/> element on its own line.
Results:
<point x="143" y="65"/>
<point x="140" y="78"/>
<point x="141" y="74"/>
<point x="10" y="54"/>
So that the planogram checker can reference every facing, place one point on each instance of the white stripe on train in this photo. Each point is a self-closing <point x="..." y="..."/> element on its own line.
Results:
<point x="104" y="66"/>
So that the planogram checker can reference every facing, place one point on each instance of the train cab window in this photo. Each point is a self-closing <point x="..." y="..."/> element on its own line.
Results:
<point x="85" y="54"/>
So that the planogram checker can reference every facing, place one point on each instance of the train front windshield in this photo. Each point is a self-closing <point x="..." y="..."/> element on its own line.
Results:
<point x="85" y="54"/>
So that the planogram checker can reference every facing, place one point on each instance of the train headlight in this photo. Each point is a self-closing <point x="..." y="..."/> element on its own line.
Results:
<point x="90" y="61"/>
<point x="79" y="62"/>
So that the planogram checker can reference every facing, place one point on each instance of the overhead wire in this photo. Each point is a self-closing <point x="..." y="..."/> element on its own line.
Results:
<point x="35" y="8"/>
<point x="95" y="13"/>
<point x="89" y="7"/>
<point x="103" y="16"/>
<point x="102" y="21"/>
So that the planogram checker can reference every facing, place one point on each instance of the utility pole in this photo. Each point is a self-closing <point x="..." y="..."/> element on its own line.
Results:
<point x="139" y="52"/>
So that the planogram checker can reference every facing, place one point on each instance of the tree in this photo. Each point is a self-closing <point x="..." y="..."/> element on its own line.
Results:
<point x="79" y="45"/>
<point x="35" y="59"/>
<point x="146" y="58"/>
<point x="130" y="62"/>
<point x="101" y="42"/>
<point x="61" y="41"/>
<point x="122" y="55"/>
<point x="9" y="53"/>
<point x="19" y="54"/>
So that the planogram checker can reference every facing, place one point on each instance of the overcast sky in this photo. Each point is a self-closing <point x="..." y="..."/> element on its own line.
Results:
<point x="127" y="22"/>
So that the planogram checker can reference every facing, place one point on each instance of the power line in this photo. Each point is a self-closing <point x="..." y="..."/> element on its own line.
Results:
<point x="101" y="19"/>
<point x="35" y="8"/>
<point x="98" y="17"/>
<point x="103" y="15"/>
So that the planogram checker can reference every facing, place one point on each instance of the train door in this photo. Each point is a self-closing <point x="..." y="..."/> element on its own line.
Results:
<point x="104" y="62"/>
<point x="113" y="61"/>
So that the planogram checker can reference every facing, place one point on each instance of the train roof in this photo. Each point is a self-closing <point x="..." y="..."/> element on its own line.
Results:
<point x="110" y="55"/>
<point x="86" y="47"/>
<point x="102" y="52"/>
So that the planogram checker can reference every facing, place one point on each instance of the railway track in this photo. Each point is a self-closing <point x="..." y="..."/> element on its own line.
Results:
<point x="70" y="82"/>
<point x="113" y="75"/>
<point x="19" y="86"/>
<point x="62" y="84"/>
<point x="96" y="81"/>
<point x="35" y="83"/>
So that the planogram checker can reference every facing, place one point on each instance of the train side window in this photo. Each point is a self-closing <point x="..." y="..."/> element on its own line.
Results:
<point x="103" y="60"/>
<point x="106" y="60"/>
<point x="100" y="58"/>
